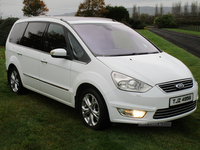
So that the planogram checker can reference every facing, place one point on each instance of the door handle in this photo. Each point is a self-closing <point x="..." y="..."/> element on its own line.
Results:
<point x="44" y="61"/>
<point x="19" y="53"/>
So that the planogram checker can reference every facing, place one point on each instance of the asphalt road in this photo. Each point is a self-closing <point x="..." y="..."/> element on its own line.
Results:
<point x="188" y="42"/>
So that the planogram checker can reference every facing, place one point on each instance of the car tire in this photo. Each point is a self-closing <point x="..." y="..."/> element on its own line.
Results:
<point x="93" y="110"/>
<point x="15" y="81"/>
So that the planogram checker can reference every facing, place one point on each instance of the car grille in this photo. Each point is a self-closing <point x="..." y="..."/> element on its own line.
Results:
<point x="175" y="110"/>
<point x="176" y="85"/>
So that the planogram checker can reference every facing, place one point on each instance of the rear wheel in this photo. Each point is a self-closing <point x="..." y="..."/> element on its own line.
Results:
<point x="15" y="81"/>
<point x="93" y="110"/>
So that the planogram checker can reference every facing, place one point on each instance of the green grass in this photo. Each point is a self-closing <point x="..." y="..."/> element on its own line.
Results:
<point x="184" y="31"/>
<point x="35" y="122"/>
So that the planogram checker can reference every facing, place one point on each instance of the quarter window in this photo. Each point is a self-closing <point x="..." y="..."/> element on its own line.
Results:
<point x="17" y="33"/>
<point x="33" y="36"/>
<point x="77" y="51"/>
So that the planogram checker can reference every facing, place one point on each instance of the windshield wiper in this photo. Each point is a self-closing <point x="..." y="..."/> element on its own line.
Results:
<point x="133" y="54"/>
<point x="143" y="53"/>
<point x="147" y="53"/>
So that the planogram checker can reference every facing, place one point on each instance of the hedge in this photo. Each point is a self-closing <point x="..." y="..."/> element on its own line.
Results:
<point x="5" y="27"/>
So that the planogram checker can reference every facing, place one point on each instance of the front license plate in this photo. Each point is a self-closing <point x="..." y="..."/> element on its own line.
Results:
<point x="181" y="99"/>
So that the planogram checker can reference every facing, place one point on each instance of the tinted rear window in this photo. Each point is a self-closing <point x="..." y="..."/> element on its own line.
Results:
<point x="33" y="36"/>
<point x="17" y="32"/>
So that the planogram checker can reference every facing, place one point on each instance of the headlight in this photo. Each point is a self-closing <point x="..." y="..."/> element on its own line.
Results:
<point x="127" y="83"/>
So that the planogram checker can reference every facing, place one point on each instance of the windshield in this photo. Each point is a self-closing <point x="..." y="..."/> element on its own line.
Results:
<point x="113" y="40"/>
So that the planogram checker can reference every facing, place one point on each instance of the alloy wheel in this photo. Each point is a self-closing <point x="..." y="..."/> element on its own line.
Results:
<point x="90" y="110"/>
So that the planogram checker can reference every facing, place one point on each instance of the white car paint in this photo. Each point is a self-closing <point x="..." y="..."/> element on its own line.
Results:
<point x="151" y="69"/>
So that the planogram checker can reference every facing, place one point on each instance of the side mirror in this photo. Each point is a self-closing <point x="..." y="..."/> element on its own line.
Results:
<point x="58" y="53"/>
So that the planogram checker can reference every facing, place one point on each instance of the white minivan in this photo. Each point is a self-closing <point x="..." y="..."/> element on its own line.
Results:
<point x="104" y="69"/>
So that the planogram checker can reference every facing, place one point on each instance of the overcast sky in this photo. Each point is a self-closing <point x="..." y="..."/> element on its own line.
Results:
<point x="13" y="8"/>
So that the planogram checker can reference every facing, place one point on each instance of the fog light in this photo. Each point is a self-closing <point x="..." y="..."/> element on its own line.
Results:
<point x="131" y="113"/>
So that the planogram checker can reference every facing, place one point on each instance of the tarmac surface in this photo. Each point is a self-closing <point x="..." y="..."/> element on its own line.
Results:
<point x="190" y="43"/>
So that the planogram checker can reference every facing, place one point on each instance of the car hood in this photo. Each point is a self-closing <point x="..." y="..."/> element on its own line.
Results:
<point x="149" y="68"/>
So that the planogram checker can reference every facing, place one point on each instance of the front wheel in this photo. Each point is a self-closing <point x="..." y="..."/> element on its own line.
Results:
<point x="15" y="81"/>
<point x="93" y="110"/>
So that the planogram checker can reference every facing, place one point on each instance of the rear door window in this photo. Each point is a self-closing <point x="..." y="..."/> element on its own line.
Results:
<point x="33" y="36"/>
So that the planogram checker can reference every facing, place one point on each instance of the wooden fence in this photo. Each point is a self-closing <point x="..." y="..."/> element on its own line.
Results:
<point x="192" y="28"/>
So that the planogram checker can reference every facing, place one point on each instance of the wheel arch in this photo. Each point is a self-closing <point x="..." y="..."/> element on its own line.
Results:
<point x="16" y="84"/>
<point x="81" y="88"/>
<point x="8" y="71"/>
<point x="14" y="62"/>
<point x="105" y="121"/>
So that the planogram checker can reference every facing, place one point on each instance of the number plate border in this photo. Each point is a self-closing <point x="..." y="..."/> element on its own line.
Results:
<point x="181" y="96"/>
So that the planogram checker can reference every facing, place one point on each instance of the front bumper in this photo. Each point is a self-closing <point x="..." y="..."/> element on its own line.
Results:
<point x="151" y="101"/>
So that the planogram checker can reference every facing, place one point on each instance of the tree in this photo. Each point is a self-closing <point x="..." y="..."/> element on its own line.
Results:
<point x="186" y="11"/>
<point x="176" y="10"/>
<point x="156" y="11"/>
<point x="139" y="10"/>
<point x="5" y="27"/>
<point x="91" y="8"/>
<point x="147" y="19"/>
<point x="34" y="8"/>
<point x="199" y="9"/>
<point x="118" y="13"/>
<point x="165" y="21"/>
<point x="135" y="14"/>
<point x="1" y="14"/>
<point x="194" y="9"/>
<point x="161" y="9"/>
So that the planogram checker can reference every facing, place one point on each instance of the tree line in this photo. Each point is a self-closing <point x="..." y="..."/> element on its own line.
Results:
<point x="187" y="14"/>
<point x="187" y="10"/>
<point x="179" y="15"/>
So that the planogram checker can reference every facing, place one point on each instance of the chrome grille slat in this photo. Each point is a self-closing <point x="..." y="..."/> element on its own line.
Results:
<point x="175" y="110"/>
<point x="171" y="86"/>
